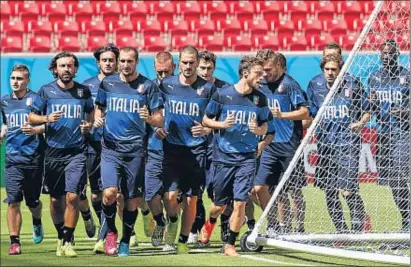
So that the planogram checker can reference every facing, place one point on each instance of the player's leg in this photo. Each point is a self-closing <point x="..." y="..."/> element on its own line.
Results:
<point x="132" y="187"/>
<point x="54" y="182"/>
<point x="249" y="214"/>
<point x="153" y="193"/>
<point x="110" y="165"/>
<point x="75" y="177"/>
<point x="148" y="221"/>
<point x="223" y="192"/>
<point x="14" y="188"/>
<point x="399" y="181"/>
<point x="32" y="189"/>
<point x="198" y="221"/>
<point x="299" y="207"/>
<point x="243" y="178"/>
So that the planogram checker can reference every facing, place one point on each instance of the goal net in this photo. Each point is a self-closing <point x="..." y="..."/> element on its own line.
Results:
<point x="346" y="192"/>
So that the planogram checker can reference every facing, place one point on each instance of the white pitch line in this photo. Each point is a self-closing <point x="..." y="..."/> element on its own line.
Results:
<point x="272" y="261"/>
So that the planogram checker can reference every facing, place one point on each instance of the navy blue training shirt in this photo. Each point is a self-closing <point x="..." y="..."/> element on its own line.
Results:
<point x="64" y="137"/>
<point x="237" y="144"/>
<point x="184" y="104"/>
<point x="21" y="150"/>
<point x="286" y="95"/>
<point x="124" y="131"/>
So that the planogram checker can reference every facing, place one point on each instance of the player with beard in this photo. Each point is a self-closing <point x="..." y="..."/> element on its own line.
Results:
<point x="67" y="109"/>
<point x="390" y="95"/>
<point x="240" y="113"/>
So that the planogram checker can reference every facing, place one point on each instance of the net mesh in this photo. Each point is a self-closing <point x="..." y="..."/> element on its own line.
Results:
<point x="349" y="189"/>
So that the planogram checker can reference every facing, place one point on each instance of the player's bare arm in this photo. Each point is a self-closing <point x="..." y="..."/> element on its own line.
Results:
<point x="28" y="129"/>
<point x="35" y="118"/>
<point x="211" y="123"/>
<point x="357" y="126"/>
<point x="257" y="130"/>
<point x="155" y="119"/>
<point x="99" y="116"/>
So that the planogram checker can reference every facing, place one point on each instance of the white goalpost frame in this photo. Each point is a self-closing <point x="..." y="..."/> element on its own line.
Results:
<point x="285" y="241"/>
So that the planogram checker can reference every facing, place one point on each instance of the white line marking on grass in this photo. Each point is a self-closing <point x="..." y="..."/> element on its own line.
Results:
<point x="272" y="261"/>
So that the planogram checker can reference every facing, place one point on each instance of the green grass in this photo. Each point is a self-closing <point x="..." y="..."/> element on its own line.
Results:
<point x="145" y="255"/>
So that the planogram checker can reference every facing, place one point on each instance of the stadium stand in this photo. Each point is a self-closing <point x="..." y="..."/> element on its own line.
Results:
<point x="288" y="25"/>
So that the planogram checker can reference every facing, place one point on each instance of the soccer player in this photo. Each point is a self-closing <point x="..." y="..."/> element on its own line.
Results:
<point x="67" y="109"/>
<point x="205" y="70"/>
<point x="24" y="157"/>
<point x="106" y="60"/>
<point x="164" y="67"/>
<point x="241" y="113"/>
<point x="185" y="143"/>
<point x="288" y="107"/>
<point x="389" y="92"/>
<point x="339" y="144"/>
<point x="125" y="103"/>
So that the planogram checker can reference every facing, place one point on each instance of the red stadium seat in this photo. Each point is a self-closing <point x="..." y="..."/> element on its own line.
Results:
<point x="55" y="11"/>
<point x="123" y="28"/>
<point x="5" y="11"/>
<point x="350" y="9"/>
<point x="325" y="10"/>
<point x="14" y="28"/>
<point x="257" y="27"/>
<point x="404" y="41"/>
<point x="83" y="11"/>
<point x="285" y="28"/>
<point x="164" y="10"/>
<point x="178" y="42"/>
<point x="154" y="44"/>
<point x="244" y="10"/>
<point x="191" y="10"/>
<point x="212" y="43"/>
<point x="318" y="42"/>
<point x="94" y="42"/>
<point x="230" y="27"/>
<point x="176" y="28"/>
<point x="149" y="27"/>
<point x="40" y="44"/>
<point x="110" y="11"/>
<point x="136" y="10"/>
<point x="271" y="10"/>
<point x="41" y="28"/>
<point x="311" y="26"/>
<point x="67" y="28"/>
<point x="336" y="26"/>
<point x="28" y="11"/>
<point x="298" y="43"/>
<point x="204" y="27"/>
<point x="298" y="10"/>
<point x="217" y="10"/>
<point x="68" y="43"/>
<point x="11" y="44"/>
<point x="94" y="28"/>
<point x="269" y="41"/>
<point x="127" y="41"/>
<point x="241" y="43"/>
<point x="347" y="42"/>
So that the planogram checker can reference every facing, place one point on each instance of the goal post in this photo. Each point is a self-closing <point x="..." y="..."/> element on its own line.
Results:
<point x="384" y="233"/>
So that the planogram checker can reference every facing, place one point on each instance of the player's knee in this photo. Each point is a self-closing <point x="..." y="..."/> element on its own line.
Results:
<point x="72" y="200"/>
<point x="32" y="203"/>
<point x="260" y="189"/>
<point x="190" y="201"/>
<point x="110" y="195"/>
<point x="218" y="209"/>
<point x="56" y="203"/>
<point x="14" y="206"/>
<point x="239" y="205"/>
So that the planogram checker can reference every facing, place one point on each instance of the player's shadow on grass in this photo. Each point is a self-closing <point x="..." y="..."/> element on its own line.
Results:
<point x="296" y="255"/>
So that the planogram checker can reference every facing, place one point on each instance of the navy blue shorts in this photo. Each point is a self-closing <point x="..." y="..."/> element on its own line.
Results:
<point x="61" y="176"/>
<point x="23" y="182"/>
<point x="337" y="168"/>
<point x="184" y="169"/>
<point x="124" y="172"/>
<point x="271" y="169"/>
<point x="153" y="174"/>
<point x="232" y="182"/>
